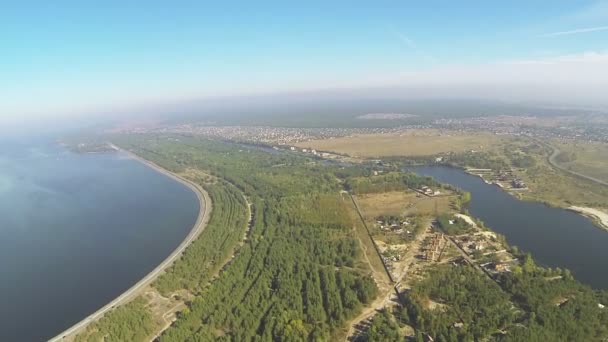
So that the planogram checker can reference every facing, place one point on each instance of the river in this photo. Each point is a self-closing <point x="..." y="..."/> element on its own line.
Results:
<point x="76" y="230"/>
<point x="555" y="237"/>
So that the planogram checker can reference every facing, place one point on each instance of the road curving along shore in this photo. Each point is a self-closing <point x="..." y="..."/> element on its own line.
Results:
<point x="135" y="290"/>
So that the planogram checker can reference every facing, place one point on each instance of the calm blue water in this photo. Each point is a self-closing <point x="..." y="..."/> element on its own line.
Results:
<point x="78" y="230"/>
<point x="555" y="237"/>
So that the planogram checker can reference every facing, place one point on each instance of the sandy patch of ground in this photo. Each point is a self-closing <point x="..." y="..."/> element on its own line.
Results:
<point x="600" y="215"/>
<point x="467" y="219"/>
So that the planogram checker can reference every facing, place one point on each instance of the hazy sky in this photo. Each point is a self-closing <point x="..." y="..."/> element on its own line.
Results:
<point x="71" y="57"/>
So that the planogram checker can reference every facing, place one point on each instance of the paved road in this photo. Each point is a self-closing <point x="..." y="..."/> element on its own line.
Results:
<point x="134" y="291"/>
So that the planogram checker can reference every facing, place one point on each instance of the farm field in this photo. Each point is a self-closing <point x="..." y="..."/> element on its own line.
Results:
<point x="397" y="203"/>
<point x="410" y="143"/>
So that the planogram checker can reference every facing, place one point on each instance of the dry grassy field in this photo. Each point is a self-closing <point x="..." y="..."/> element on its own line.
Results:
<point x="397" y="203"/>
<point x="590" y="158"/>
<point x="367" y="245"/>
<point x="557" y="187"/>
<point x="409" y="143"/>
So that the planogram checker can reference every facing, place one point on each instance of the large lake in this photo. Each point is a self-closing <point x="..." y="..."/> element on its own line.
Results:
<point x="555" y="237"/>
<point x="78" y="230"/>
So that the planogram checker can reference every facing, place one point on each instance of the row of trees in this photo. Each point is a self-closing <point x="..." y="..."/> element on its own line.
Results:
<point x="131" y="322"/>
<point x="224" y="230"/>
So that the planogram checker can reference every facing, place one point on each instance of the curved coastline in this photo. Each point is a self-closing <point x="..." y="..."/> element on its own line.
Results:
<point x="135" y="290"/>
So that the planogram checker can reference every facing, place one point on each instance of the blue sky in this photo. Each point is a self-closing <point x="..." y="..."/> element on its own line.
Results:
<point x="60" y="56"/>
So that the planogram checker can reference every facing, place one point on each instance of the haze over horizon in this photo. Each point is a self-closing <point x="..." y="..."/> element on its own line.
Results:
<point x="304" y="171"/>
<point x="84" y="58"/>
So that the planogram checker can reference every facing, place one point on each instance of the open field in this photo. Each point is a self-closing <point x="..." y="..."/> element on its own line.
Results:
<point x="409" y="143"/>
<point x="367" y="245"/>
<point x="397" y="203"/>
<point x="527" y="157"/>
<point x="547" y="183"/>
<point x="589" y="158"/>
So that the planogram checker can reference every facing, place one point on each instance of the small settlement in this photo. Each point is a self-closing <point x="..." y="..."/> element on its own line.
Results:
<point x="417" y="229"/>
<point x="416" y="240"/>
<point x="505" y="179"/>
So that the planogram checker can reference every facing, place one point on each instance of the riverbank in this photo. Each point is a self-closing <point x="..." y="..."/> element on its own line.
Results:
<point x="598" y="216"/>
<point x="136" y="290"/>
<point x="556" y="237"/>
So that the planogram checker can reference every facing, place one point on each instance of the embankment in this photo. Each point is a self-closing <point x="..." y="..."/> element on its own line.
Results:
<point x="135" y="290"/>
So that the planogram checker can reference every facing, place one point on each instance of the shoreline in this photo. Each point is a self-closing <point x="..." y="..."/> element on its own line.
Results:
<point x="135" y="290"/>
<point x="599" y="217"/>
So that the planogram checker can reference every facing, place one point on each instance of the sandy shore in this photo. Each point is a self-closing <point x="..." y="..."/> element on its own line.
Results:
<point x="467" y="219"/>
<point x="136" y="290"/>
<point x="596" y="214"/>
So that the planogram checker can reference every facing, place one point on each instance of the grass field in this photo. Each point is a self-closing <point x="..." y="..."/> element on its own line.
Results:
<point x="410" y="143"/>
<point x="546" y="183"/>
<point x="558" y="188"/>
<point x="549" y="184"/>
<point x="367" y="245"/>
<point x="398" y="203"/>
<point x="589" y="158"/>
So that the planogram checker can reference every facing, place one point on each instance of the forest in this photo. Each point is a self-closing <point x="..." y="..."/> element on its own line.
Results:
<point x="130" y="322"/>
<point x="199" y="262"/>
<point x="532" y="303"/>
<point x="300" y="274"/>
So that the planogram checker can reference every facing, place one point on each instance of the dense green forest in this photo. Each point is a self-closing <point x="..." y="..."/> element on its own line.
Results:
<point x="458" y="303"/>
<point x="130" y="322"/>
<point x="453" y="295"/>
<point x="557" y="309"/>
<point x="383" y="328"/>
<point x="199" y="262"/>
<point x="299" y="276"/>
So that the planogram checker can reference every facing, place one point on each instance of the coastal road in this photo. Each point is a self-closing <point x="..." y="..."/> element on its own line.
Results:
<point x="135" y="290"/>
